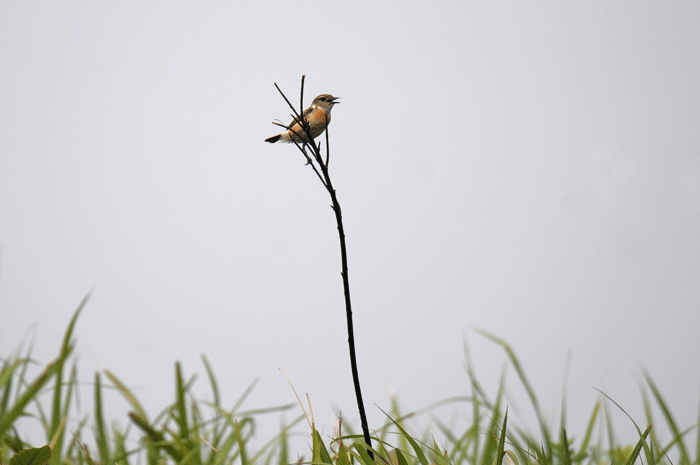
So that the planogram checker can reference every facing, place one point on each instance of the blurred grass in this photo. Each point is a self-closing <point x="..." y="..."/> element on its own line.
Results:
<point x="197" y="432"/>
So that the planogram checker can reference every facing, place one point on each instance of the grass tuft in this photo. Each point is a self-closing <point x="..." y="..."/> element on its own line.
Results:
<point x="200" y="432"/>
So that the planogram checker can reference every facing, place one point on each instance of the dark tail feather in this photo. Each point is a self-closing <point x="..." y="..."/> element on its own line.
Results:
<point x="273" y="139"/>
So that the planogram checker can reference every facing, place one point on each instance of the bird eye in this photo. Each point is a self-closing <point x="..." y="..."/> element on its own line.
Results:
<point x="323" y="99"/>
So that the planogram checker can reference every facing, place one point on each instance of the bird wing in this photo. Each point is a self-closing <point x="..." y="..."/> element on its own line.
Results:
<point x="304" y="114"/>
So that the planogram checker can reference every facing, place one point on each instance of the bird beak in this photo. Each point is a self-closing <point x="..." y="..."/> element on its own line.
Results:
<point x="334" y="100"/>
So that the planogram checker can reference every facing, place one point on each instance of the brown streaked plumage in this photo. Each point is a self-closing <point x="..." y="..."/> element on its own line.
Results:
<point x="318" y="115"/>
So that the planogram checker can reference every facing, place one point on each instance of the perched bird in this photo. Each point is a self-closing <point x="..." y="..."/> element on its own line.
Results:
<point x="318" y="115"/>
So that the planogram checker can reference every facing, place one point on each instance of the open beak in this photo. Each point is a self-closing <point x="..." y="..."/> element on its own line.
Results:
<point x="334" y="100"/>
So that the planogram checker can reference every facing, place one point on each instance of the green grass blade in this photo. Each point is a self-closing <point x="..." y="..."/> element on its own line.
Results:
<point x="563" y="393"/>
<point x="583" y="448"/>
<point x="27" y="396"/>
<point x="180" y="406"/>
<point x="155" y="439"/>
<point x="566" y="455"/>
<point x="63" y="408"/>
<point x="343" y="455"/>
<point x="245" y="395"/>
<point x="439" y="457"/>
<point x="100" y="433"/>
<point x="490" y="449"/>
<point x="120" y="453"/>
<point x="364" y="456"/>
<point x="478" y="391"/>
<point x="241" y="445"/>
<point x="195" y="437"/>
<point x="319" y="451"/>
<point x="6" y="375"/>
<point x="476" y="421"/>
<point x="502" y="441"/>
<point x="609" y="428"/>
<point x="669" y="419"/>
<point x="638" y="447"/>
<point x="7" y="371"/>
<point x="414" y="445"/>
<point x="130" y="398"/>
<point x="654" y="450"/>
<point x="400" y="458"/>
<point x="212" y="380"/>
<point x="65" y="350"/>
<point x="513" y="458"/>
<point x="283" y="456"/>
<point x="273" y="443"/>
<point x="459" y="446"/>
<point x="546" y="437"/>
<point x="227" y="439"/>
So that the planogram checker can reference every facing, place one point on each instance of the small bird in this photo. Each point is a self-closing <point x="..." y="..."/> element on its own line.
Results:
<point x="318" y="115"/>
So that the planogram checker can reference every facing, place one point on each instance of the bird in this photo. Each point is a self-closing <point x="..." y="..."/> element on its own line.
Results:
<point x="318" y="115"/>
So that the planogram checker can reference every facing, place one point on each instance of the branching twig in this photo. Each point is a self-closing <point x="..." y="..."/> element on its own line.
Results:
<point x="325" y="179"/>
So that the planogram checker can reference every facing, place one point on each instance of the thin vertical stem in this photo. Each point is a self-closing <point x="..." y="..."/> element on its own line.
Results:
<point x="348" y="306"/>
<point x="326" y="180"/>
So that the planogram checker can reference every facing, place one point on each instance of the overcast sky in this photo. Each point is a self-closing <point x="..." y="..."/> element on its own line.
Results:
<point x="529" y="169"/>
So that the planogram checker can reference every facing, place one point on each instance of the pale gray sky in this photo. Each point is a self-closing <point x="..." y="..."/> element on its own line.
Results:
<point x="530" y="169"/>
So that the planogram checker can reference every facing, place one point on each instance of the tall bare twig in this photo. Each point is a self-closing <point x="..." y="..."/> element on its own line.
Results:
<point x="320" y="166"/>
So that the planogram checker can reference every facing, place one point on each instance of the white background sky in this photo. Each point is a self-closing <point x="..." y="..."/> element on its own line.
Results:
<point x="529" y="169"/>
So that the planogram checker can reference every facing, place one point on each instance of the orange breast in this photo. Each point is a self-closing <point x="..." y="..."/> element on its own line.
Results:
<point x="317" y="120"/>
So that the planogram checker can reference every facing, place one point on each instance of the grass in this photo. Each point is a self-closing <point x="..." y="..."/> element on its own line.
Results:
<point x="198" y="432"/>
